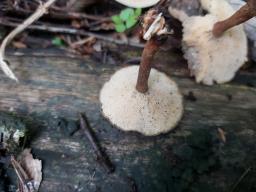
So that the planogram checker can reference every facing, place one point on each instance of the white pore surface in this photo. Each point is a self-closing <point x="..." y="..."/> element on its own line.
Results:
<point x="212" y="60"/>
<point x="138" y="3"/>
<point x="153" y="113"/>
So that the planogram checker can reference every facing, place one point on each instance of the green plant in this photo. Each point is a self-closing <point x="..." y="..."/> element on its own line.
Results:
<point x="126" y="19"/>
<point x="58" y="42"/>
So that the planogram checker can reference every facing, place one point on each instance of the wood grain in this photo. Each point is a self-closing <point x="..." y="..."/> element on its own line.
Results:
<point x="59" y="87"/>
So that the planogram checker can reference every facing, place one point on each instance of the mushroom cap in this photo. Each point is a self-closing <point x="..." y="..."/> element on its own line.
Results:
<point x="212" y="59"/>
<point x="138" y="3"/>
<point x="153" y="113"/>
<point x="220" y="8"/>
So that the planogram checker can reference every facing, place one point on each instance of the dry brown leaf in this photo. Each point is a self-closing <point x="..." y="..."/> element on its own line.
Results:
<point x="76" y="24"/>
<point x="107" y="26"/>
<point x="32" y="167"/>
<point x="19" y="45"/>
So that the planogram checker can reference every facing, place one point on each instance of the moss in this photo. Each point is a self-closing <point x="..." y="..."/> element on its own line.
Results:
<point x="12" y="131"/>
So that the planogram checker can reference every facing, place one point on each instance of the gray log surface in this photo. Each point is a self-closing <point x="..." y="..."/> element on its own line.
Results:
<point x="51" y="88"/>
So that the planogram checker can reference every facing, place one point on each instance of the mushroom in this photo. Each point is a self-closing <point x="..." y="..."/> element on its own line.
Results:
<point x="138" y="98"/>
<point x="249" y="27"/>
<point x="138" y="3"/>
<point x="245" y="13"/>
<point x="212" y="59"/>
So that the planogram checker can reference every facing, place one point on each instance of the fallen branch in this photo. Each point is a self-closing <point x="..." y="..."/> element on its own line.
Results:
<point x="72" y="31"/>
<point x="245" y="173"/>
<point x="85" y="127"/>
<point x="59" y="13"/>
<point x="42" y="9"/>
<point x="65" y="53"/>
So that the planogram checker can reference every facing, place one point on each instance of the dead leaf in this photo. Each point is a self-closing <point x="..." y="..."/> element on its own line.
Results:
<point x="107" y="26"/>
<point x="97" y="46"/>
<point x="33" y="168"/>
<point x="19" y="45"/>
<point x="76" y="24"/>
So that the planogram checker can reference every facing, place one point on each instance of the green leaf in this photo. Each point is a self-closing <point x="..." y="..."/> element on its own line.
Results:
<point x="116" y="19"/>
<point x="126" y="19"/>
<point x="126" y="13"/>
<point x="130" y="22"/>
<point x="120" y="28"/>
<point x="57" y="42"/>
<point x="137" y="12"/>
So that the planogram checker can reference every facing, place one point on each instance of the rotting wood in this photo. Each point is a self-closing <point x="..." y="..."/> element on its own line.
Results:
<point x="63" y="87"/>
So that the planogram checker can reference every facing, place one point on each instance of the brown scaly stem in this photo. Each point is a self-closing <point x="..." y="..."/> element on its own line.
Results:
<point x="153" y="24"/>
<point x="245" y="13"/>
<point x="149" y="51"/>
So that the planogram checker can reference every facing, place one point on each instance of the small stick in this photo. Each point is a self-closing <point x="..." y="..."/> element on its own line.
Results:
<point x="62" y="13"/>
<point x="42" y="9"/>
<point x="240" y="179"/>
<point x="85" y="126"/>
<point x="245" y="13"/>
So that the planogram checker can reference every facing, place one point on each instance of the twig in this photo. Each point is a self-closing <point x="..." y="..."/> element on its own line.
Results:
<point x="133" y="185"/>
<point x="82" y="41"/>
<point x="65" y="53"/>
<point x="42" y="9"/>
<point x="57" y="13"/>
<point x="74" y="15"/>
<point x="72" y="31"/>
<point x="85" y="126"/>
<point x="240" y="179"/>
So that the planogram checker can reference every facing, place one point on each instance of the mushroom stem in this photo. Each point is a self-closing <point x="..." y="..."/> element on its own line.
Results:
<point x="242" y="15"/>
<point x="149" y="51"/>
<point x="154" y="31"/>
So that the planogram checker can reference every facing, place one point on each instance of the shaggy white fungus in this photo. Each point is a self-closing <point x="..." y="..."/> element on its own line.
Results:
<point x="212" y="59"/>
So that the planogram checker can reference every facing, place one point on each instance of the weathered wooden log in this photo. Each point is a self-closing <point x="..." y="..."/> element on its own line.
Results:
<point x="192" y="157"/>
